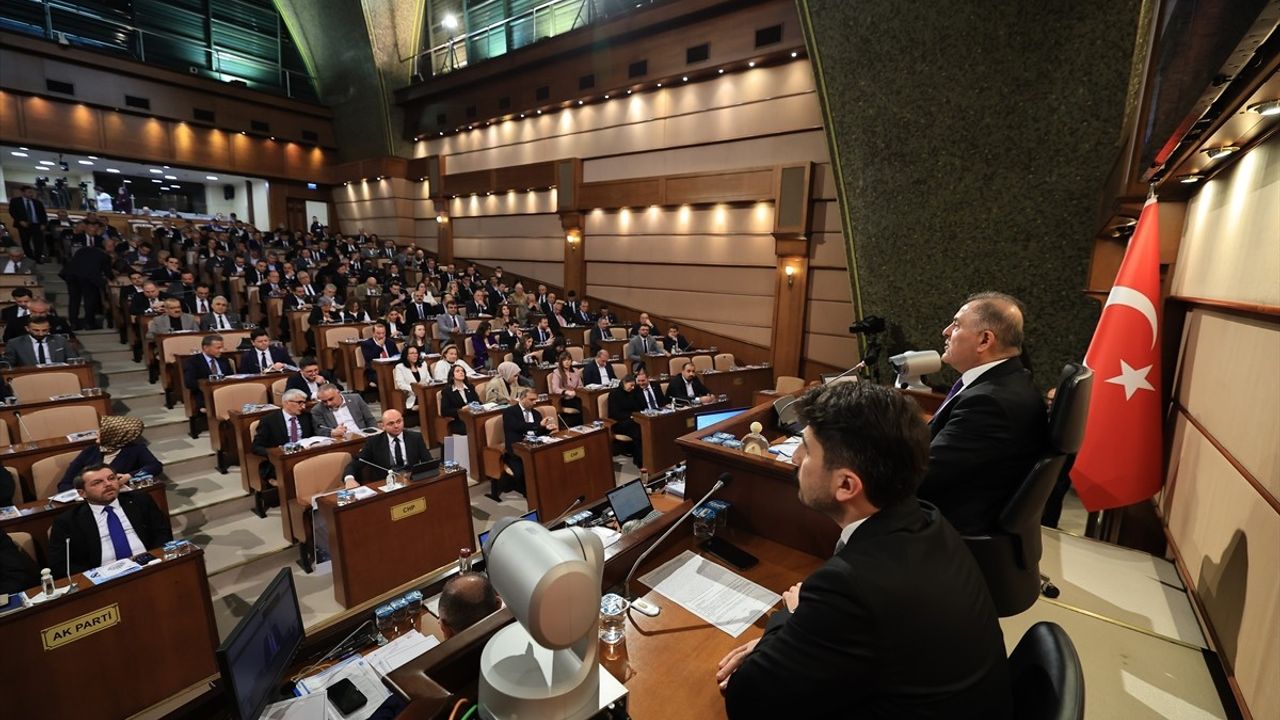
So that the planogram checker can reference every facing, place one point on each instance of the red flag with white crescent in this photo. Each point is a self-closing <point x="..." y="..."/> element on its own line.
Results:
<point x="1120" y="462"/>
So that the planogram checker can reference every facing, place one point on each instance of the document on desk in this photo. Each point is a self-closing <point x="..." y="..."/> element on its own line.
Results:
<point x="361" y="674"/>
<point x="712" y="592"/>
<point x="400" y="651"/>
<point x="307" y="707"/>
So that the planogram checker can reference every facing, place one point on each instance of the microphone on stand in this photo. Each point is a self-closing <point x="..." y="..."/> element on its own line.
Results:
<point x="645" y="607"/>
<point x="576" y="502"/>
<point x="71" y="587"/>
<point x="391" y="475"/>
<point x="26" y="431"/>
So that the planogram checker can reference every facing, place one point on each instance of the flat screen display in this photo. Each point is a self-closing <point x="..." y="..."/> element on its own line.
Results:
<point x="254" y="656"/>
<point x="707" y="419"/>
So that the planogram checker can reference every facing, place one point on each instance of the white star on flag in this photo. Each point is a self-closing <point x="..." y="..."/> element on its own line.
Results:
<point x="1132" y="380"/>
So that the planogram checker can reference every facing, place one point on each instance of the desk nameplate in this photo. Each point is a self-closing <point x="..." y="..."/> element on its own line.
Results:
<point x="408" y="509"/>
<point x="74" y="629"/>
<point x="575" y="454"/>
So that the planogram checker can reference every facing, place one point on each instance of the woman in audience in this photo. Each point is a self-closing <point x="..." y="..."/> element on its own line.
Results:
<point x="503" y="387"/>
<point x="395" y="322"/>
<point x="455" y="397"/>
<point x="527" y="358"/>
<point x="355" y="313"/>
<point x="565" y="381"/>
<point x="119" y="445"/>
<point x="505" y="315"/>
<point x="420" y="337"/>
<point x="551" y="353"/>
<point x="482" y="343"/>
<point x="448" y="360"/>
<point x="410" y="371"/>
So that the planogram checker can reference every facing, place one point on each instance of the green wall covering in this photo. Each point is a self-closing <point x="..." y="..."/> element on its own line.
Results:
<point x="973" y="140"/>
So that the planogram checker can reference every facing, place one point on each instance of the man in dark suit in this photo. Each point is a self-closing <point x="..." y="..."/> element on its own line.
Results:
<point x="899" y="623"/>
<point x="168" y="275"/>
<point x="36" y="347"/>
<point x="599" y="334"/>
<point x="394" y="448"/>
<point x="687" y="385"/>
<point x="992" y="427"/>
<point x="378" y="346"/>
<point x="599" y="371"/>
<point x="674" y="342"/>
<point x="109" y="526"/>
<point x="291" y="424"/>
<point x="517" y="421"/>
<point x="310" y="377"/>
<point x="218" y="318"/>
<point x="263" y="356"/>
<point x="418" y="309"/>
<point x="203" y="365"/>
<point x="21" y="298"/>
<point x="17" y="570"/>
<point x="86" y="273"/>
<point x="30" y="217"/>
<point x="648" y="395"/>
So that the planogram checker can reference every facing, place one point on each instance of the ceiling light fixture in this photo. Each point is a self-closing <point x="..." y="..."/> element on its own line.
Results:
<point x="210" y="177"/>
<point x="1189" y="179"/>
<point x="1215" y="153"/>
<point x="93" y="157"/>
<point x="46" y="162"/>
<point x="15" y="153"/>
<point x="114" y="171"/>
<point x="606" y="97"/>
<point x="156" y="181"/>
<point x="720" y="71"/>
<point x="1267" y="108"/>
<point x="155" y="171"/>
<point x="659" y="84"/>
<point x="579" y="102"/>
<point x="170" y="177"/>
<point x="685" y="78"/>
<point x="751" y="64"/>
<point x="539" y="112"/>
<point x="628" y="92"/>
<point x="85" y="162"/>
<point x="795" y="54"/>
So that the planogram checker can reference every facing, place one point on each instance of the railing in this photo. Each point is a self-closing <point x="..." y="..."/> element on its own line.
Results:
<point x="552" y="18"/>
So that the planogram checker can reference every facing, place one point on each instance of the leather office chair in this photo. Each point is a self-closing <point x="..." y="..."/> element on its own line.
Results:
<point x="1010" y="557"/>
<point x="57" y="421"/>
<point x="42" y="386"/>
<point x="1044" y="670"/>
<point x="46" y="473"/>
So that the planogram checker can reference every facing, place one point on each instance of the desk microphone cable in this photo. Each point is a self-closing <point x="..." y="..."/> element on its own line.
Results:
<point x="332" y="652"/>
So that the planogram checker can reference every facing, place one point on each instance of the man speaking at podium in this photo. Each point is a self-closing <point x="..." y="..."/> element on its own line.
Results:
<point x="899" y="623"/>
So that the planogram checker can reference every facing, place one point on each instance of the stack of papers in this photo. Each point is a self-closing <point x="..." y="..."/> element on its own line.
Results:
<point x="82" y="435"/>
<point x="67" y="496"/>
<point x="400" y="651"/>
<point x="358" y="670"/>
<point x="97" y="576"/>
<point x="310" y="442"/>
<point x="712" y="592"/>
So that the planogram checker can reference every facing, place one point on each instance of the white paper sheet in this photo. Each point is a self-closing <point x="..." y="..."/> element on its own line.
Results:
<point x="400" y="651"/>
<point x="307" y="707"/>
<point x="721" y="597"/>
<point x="608" y="536"/>
<point x="362" y="675"/>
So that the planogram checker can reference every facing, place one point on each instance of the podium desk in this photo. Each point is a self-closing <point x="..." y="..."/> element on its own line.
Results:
<point x="658" y="433"/>
<point x="37" y="517"/>
<point x="740" y="384"/>
<point x="112" y="629"/>
<point x="83" y="371"/>
<point x="21" y="456"/>
<point x="383" y="542"/>
<point x="763" y="492"/>
<point x="476" y="439"/>
<point x="101" y="403"/>
<point x="246" y="458"/>
<point x="558" y="472"/>
<point x="284" y="463"/>
<point x="428" y="413"/>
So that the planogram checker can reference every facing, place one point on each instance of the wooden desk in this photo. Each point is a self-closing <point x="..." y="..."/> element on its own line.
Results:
<point x="658" y="434"/>
<point x="326" y="353"/>
<point x="428" y="412"/>
<point x="284" y="464"/>
<point x="739" y="384"/>
<point x="383" y="542"/>
<point x="658" y="685"/>
<point x="299" y="323"/>
<point x="763" y="491"/>
<point x="388" y="396"/>
<point x="476" y="438"/>
<point x="222" y="434"/>
<point x="247" y="459"/>
<point x="101" y="403"/>
<point x="83" y="372"/>
<point x="348" y="350"/>
<point x="21" y="456"/>
<point x="556" y="473"/>
<point x="134" y="665"/>
<point x="38" y="516"/>
<point x="591" y="402"/>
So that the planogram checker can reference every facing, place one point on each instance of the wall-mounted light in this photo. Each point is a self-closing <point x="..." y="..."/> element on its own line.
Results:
<point x="442" y="219"/>
<point x="1266" y="108"/>
<point x="790" y="270"/>
<point x="1189" y="179"/>
<point x="573" y="237"/>
<point x="1218" y="152"/>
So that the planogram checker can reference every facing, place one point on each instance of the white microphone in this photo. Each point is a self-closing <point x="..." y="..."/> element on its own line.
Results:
<point x="576" y="502"/>
<point x="22" y="424"/>
<point x="645" y="607"/>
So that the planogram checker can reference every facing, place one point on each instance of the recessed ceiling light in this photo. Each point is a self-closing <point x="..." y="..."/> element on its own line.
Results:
<point x="93" y="157"/>
<point x="85" y="162"/>
<point x="22" y="148"/>
<point x="155" y="171"/>
<point x="442" y="132"/>
<point x="606" y="97"/>
<point x="170" y="177"/>
<point x="46" y="162"/>
<point x="41" y="167"/>
<point x="15" y="153"/>
<point x="539" y="112"/>
<point x="795" y="54"/>
<point x="751" y="64"/>
<point x="1189" y="179"/>
<point x="156" y="181"/>
<point x="127" y="181"/>
<point x="1266" y="108"/>
<point x="720" y="71"/>
<point x="115" y="171"/>
<point x="628" y="92"/>
<point x="166" y="167"/>
<point x="1215" y="153"/>
<point x="210" y="177"/>
<point x="659" y="84"/>
<point x="579" y="102"/>
<point x="685" y="78"/>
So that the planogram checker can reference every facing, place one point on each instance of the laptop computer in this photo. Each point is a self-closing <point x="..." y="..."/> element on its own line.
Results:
<point x="482" y="537"/>
<point x="631" y="502"/>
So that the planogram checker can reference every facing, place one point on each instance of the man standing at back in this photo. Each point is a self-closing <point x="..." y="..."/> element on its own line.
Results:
<point x="30" y="217"/>
<point x="991" y="429"/>
<point x="899" y="623"/>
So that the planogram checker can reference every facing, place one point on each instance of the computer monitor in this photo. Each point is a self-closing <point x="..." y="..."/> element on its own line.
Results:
<point x="531" y="515"/>
<point x="629" y="502"/>
<point x="706" y="419"/>
<point x="256" y="653"/>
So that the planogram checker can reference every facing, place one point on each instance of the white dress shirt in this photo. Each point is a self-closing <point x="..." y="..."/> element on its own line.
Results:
<point x="11" y="267"/>
<point x="443" y="368"/>
<point x="342" y="416"/>
<point x="104" y="535"/>
<point x="847" y="532"/>
<point x="220" y="322"/>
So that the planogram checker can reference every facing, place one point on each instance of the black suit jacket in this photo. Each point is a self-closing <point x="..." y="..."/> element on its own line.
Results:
<point x="18" y="210"/>
<point x="598" y="337"/>
<point x="250" y="363"/>
<point x="985" y="441"/>
<point x="89" y="265"/>
<point x="377" y="450"/>
<point x="195" y="369"/>
<point x="17" y="572"/>
<point x="676" y="388"/>
<point x="514" y="426"/>
<point x="642" y="403"/>
<point x="372" y="352"/>
<point x="899" y="624"/>
<point x="623" y="403"/>
<point x="297" y="382"/>
<point x="151" y="525"/>
<point x="273" y="432"/>
<point x="451" y="403"/>
<point x="591" y="374"/>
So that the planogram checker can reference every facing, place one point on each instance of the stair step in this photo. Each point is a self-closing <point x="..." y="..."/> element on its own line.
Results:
<point x="138" y="377"/>
<point x="234" y="590"/>
<point x="174" y="436"/>
<point x="231" y="541"/>
<point x="209" y="492"/>
<point x="131" y="385"/>
<point x="150" y="404"/>
<point x="121" y="365"/>
<point x="181" y="455"/>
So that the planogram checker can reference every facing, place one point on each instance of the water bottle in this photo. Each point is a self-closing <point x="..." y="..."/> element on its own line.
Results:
<point x="383" y="617"/>
<point x="400" y="615"/>
<point x="464" y="560"/>
<point x="46" y="582"/>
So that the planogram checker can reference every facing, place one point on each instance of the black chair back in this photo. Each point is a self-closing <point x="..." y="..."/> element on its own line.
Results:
<point x="1010" y="556"/>
<point x="1045" y="673"/>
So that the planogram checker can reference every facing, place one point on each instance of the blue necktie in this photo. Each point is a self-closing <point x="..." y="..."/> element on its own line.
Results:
<point x="954" y="389"/>
<point x="115" y="528"/>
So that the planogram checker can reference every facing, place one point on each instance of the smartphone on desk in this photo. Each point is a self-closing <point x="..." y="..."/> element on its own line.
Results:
<point x="345" y="696"/>
<point x="729" y="552"/>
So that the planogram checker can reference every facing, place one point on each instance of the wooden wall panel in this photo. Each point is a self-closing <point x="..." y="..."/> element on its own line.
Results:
<point x="551" y="273"/>
<point x="755" y="219"/>
<point x="716" y="157"/>
<point x="701" y="308"/>
<point x="201" y="147"/>
<point x="745" y="251"/>
<point x="748" y="185"/>
<point x="11" y="126"/>
<point x="837" y="351"/>
<point x="510" y="226"/>
<point x="134" y="136"/>
<point x="63" y="125"/>
<point x="538" y="249"/>
<point x="722" y="280"/>
<point x="513" y="203"/>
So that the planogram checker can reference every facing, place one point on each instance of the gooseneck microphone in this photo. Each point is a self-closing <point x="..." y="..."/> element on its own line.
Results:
<point x="23" y="425"/>
<point x="71" y="587"/>
<point x="576" y="502"/>
<point x="645" y="607"/>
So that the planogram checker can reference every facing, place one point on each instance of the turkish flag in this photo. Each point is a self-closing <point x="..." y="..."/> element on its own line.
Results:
<point x="1120" y="461"/>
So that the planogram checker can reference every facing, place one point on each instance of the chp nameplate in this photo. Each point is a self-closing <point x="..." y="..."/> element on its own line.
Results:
<point x="404" y="510"/>
<point x="74" y="629"/>
<point x="575" y="454"/>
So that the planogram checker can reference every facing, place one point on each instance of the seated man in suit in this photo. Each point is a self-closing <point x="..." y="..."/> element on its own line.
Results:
<point x="600" y="334"/>
<point x="167" y="274"/>
<point x="624" y="400"/>
<point x="395" y="448"/>
<point x="18" y="571"/>
<point x="518" y="420"/>
<point x="419" y="309"/>
<point x="289" y="425"/>
<point x="992" y="428"/>
<point x="451" y="326"/>
<point x="108" y="526"/>
<point x="599" y="371"/>
<point x="648" y="395"/>
<point x="203" y="365"/>
<point x="898" y="565"/>
<point x="466" y="600"/>
<point x="542" y="332"/>
<point x="373" y="348"/>
<point x="687" y="386"/>
<point x="310" y="377"/>
<point x="218" y="318"/>
<point x="674" y="342"/>
<point x="339" y="413"/>
<point x="21" y="298"/>
<point x="37" y="347"/>
<point x="640" y="346"/>
<point x="17" y="263"/>
<point x="643" y="321"/>
<point x="197" y="299"/>
<point x="263" y="356"/>
<point x="173" y="320"/>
